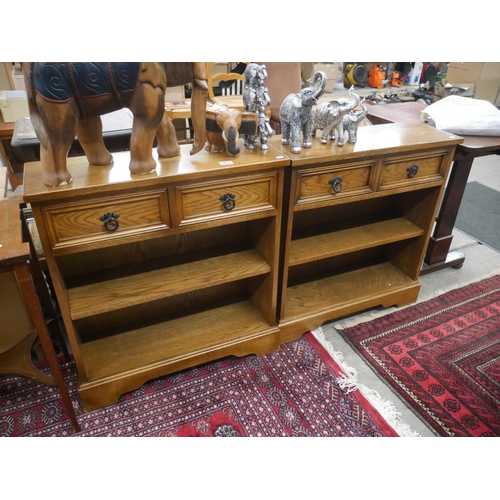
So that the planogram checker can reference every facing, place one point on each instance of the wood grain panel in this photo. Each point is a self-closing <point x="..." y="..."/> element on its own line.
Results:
<point x="80" y="222"/>
<point x="127" y="291"/>
<point x="351" y="240"/>
<point x="347" y="289"/>
<point x="314" y="185"/>
<point x="174" y="340"/>
<point x="395" y="173"/>
<point x="203" y="202"/>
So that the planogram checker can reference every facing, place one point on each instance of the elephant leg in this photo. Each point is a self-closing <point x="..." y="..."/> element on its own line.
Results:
<point x="53" y="159"/>
<point x="285" y="132"/>
<point x="351" y="133"/>
<point x="55" y="126"/>
<point x="89" y="132"/>
<point x="307" y="133"/>
<point x="296" y="147"/>
<point x="148" y="109"/>
<point x="326" y="134"/>
<point x="340" y="130"/>
<point x="168" y="147"/>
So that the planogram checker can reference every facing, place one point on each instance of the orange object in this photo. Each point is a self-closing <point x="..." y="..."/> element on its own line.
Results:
<point x="395" y="79"/>
<point x="375" y="77"/>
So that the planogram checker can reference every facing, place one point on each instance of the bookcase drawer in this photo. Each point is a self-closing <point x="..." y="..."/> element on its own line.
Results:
<point x="400" y="172"/>
<point x="331" y="182"/>
<point x="229" y="198"/>
<point x="104" y="219"/>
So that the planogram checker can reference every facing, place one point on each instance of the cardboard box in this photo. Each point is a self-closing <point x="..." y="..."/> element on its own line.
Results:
<point x="486" y="90"/>
<point x="470" y="71"/>
<point x="330" y="69"/>
<point x="18" y="78"/>
<point x="447" y="88"/>
<point x="13" y="104"/>
<point x="484" y="76"/>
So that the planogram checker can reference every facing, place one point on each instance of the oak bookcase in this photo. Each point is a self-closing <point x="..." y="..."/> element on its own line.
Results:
<point x="357" y="221"/>
<point x="217" y="255"/>
<point x="182" y="270"/>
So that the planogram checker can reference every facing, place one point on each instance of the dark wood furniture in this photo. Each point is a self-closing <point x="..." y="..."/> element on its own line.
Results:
<point x="438" y="255"/>
<point x="14" y="168"/>
<point x="216" y="255"/>
<point x="16" y="344"/>
<point x="358" y="220"/>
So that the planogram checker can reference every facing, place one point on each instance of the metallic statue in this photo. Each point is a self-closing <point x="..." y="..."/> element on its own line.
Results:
<point x="255" y="100"/>
<point x="352" y="120"/>
<point x="296" y="113"/>
<point x="329" y="117"/>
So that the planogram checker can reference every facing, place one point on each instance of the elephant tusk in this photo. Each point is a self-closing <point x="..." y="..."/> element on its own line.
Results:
<point x="202" y="83"/>
<point x="224" y="135"/>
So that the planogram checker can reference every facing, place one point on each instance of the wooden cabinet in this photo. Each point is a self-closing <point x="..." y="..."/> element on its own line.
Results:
<point x="357" y="222"/>
<point x="217" y="255"/>
<point x="165" y="271"/>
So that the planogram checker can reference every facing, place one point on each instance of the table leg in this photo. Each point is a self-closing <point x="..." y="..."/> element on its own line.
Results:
<point x="438" y="255"/>
<point x="29" y="292"/>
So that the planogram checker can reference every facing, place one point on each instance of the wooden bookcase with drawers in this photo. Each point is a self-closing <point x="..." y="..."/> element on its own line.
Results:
<point x="216" y="255"/>
<point x="357" y="222"/>
<point x="161" y="272"/>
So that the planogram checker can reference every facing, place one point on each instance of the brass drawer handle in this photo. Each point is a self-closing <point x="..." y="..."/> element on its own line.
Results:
<point x="336" y="183"/>
<point x="412" y="171"/>
<point x="228" y="201"/>
<point x="110" y="221"/>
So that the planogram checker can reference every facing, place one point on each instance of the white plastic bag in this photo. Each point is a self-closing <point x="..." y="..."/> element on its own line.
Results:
<point x="465" y="116"/>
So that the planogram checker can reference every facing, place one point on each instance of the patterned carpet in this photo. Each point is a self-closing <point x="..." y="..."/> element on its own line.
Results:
<point x="443" y="357"/>
<point x="297" y="391"/>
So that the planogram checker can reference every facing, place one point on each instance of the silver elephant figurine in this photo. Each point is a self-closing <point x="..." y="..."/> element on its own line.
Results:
<point x="296" y="113"/>
<point x="329" y="117"/>
<point x="352" y="120"/>
<point x="255" y="100"/>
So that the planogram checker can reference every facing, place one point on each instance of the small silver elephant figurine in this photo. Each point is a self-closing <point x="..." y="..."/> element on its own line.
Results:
<point x="329" y="118"/>
<point x="255" y="100"/>
<point x="296" y="113"/>
<point x="352" y="120"/>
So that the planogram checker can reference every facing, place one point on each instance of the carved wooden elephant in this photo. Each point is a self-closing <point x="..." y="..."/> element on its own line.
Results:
<point x="67" y="99"/>
<point x="224" y="126"/>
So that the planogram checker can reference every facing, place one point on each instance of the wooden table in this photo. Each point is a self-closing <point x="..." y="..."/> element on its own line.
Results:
<point x="438" y="255"/>
<point x="15" y="347"/>
<point x="6" y="133"/>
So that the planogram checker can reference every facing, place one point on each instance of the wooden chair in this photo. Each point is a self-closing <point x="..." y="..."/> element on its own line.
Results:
<point x="180" y="109"/>
<point x="225" y="87"/>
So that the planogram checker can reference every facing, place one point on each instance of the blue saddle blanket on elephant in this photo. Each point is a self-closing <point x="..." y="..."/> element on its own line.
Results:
<point x="58" y="81"/>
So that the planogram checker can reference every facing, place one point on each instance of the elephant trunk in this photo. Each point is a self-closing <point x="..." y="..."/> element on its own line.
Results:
<point x="198" y="116"/>
<point x="319" y="83"/>
<point x="356" y="100"/>
<point x="232" y="137"/>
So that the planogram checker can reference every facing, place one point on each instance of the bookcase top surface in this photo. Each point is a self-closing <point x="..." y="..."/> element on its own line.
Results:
<point x="372" y="140"/>
<point x="93" y="179"/>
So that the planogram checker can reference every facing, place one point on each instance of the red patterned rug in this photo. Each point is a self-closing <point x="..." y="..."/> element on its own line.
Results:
<point x="443" y="357"/>
<point x="292" y="392"/>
